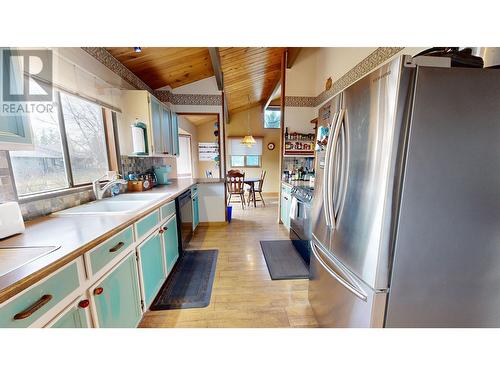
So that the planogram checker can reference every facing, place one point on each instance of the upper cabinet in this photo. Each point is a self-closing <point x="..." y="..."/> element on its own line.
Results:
<point x="161" y="123"/>
<point x="15" y="129"/>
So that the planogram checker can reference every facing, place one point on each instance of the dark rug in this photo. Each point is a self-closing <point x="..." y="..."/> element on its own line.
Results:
<point x="190" y="283"/>
<point x="283" y="261"/>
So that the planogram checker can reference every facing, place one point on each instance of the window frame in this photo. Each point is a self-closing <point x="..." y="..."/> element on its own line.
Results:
<point x="246" y="165"/>
<point x="270" y="108"/>
<point x="72" y="187"/>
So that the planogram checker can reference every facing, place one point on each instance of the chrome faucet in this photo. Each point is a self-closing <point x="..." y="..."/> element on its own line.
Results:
<point x="99" y="191"/>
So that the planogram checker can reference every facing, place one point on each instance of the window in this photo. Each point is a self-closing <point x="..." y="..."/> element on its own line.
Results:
<point x="42" y="169"/>
<point x="272" y="118"/>
<point x="81" y="136"/>
<point x="245" y="161"/>
<point x="243" y="156"/>
<point x="84" y="126"/>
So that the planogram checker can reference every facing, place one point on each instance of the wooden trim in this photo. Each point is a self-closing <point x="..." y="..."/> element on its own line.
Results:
<point x="220" y="126"/>
<point x="273" y="93"/>
<point x="282" y="124"/>
<point x="224" y="116"/>
<point x="293" y="53"/>
<point x="209" y="224"/>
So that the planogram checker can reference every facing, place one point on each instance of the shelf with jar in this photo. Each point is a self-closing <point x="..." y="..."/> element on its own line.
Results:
<point x="299" y="144"/>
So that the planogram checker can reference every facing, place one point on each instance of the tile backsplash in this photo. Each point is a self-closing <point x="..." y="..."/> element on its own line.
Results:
<point x="143" y="164"/>
<point x="41" y="207"/>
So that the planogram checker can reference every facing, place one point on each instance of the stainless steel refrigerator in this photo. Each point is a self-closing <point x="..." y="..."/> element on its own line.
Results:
<point x="406" y="214"/>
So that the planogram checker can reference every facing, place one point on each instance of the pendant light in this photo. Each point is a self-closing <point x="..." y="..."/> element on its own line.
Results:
<point x="248" y="140"/>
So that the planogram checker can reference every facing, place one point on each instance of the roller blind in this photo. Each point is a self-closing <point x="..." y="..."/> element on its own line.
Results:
<point x="236" y="148"/>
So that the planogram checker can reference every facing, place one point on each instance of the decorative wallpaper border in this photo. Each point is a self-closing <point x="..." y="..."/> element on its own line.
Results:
<point x="377" y="57"/>
<point x="373" y="60"/>
<point x="195" y="99"/>
<point x="110" y="62"/>
<point x="300" y="101"/>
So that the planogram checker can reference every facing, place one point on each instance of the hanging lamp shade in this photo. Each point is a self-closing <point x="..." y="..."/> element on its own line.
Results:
<point x="248" y="141"/>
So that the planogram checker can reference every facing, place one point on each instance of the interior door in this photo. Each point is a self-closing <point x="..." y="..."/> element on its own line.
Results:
<point x="363" y="169"/>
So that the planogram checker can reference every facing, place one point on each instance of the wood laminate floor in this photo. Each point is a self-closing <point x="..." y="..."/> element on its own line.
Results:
<point x="243" y="294"/>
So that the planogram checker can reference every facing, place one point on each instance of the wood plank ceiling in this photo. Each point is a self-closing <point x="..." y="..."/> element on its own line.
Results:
<point x="166" y="66"/>
<point x="249" y="72"/>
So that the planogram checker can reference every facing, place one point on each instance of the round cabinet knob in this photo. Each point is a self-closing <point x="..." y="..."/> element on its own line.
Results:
<point x="161" y="231"/>
<point x="98" y="291"/>
<point x="84" y="303"/>
<point x="165" y="229"/>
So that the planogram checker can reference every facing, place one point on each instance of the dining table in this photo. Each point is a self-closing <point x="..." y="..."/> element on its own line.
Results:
<point x="250" y="181"/>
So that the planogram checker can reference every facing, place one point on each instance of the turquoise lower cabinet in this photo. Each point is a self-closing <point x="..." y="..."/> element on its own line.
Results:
<point x="23" y="310"/>
<point x="75" y="317"/>
<point x="116" y="298"/>
<point x="153" y="272"/>
<point x="196" y="212"/>
<point x="170" y="243"/>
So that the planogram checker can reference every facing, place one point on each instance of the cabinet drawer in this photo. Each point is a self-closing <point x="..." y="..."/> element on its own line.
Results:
<point x="167" y="210"/>
<point x="105" y="253"/>
<point x="147" y="223"/>
<point x="25" y="309"/>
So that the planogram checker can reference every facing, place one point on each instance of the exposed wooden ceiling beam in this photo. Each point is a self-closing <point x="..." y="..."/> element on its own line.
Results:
<point x="276" y="90"/>
<point x="214" y="56"/>
<point x="219" y="78"/>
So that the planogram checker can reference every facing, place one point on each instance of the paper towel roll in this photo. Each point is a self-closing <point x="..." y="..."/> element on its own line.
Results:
<point x="11" y="220"/>
<point x="138" y="140"/>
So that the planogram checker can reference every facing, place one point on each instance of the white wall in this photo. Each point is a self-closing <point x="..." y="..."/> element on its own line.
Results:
<point x="203" y="86"/>
<point x="212" y="205"/>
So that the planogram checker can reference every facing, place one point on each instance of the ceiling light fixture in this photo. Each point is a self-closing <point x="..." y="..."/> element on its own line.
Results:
<point x="137" y="49"/>
<point x="248" y="141"/>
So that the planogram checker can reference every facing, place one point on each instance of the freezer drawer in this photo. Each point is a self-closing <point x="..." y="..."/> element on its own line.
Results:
<point x="339" y="299"/>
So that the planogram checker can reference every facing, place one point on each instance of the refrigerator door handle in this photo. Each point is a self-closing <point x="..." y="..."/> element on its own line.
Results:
<point x="327" y="178"/>
<point x="343" y="280"/>
<point x="331" y="163"/>
<point x="343" y="165"/>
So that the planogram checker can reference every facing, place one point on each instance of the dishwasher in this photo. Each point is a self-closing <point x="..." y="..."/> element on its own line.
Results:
<point x="184" y="207"/>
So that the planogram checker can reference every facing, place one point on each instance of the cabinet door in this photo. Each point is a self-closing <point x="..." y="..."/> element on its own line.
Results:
<point x="156" y="120"/>
<point x="175" y="134"/>
<point x="116" y="297"/>
<point x="15" y="130"/>
<point x="170" y="243"/>
<point x="196" y="212"/>
<point x="152" y="270"/>
<point x="166" y="131"/>
<point x="74" y="317"/>
<point x="285" y="210"/>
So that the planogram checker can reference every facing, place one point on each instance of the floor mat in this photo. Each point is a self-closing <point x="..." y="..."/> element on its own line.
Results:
<point x="283" y="261"/>
<point x="190" y="284"/>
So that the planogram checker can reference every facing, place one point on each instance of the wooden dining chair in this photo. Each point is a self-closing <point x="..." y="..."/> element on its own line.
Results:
<point x="258" y="189"/>
<point x="235" y="186"/>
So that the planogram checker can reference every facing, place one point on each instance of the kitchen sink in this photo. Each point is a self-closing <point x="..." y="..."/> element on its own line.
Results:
<point x="109" y="206"/>
<point x="12" y="258"/>
<point x="138" y="197"/>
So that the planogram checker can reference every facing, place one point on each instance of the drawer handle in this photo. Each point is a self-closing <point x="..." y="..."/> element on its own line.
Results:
<point x="84" y="303"/>
<point x="117" y="247"/>
<point x="33" y="308"/>
<point x="98" y="291"/>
